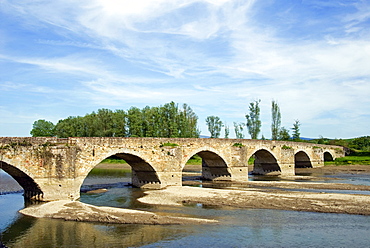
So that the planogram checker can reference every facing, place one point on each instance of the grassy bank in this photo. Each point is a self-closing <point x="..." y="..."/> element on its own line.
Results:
<point x="356" y="158"/>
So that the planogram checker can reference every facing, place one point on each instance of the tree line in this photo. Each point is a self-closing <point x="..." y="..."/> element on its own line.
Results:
<point x="169" y="121"/>
<point x="253" y="125"/>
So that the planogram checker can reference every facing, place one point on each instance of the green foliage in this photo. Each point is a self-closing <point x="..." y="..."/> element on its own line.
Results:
<point x="238" y="145"/>
<point x="285" y="147"/>
<point x="164" y="121"/>
<point x="296" y="133"/>
<point x="214" y="126"/>
<point x="276" y="120"/>
<point x="238" y="127"/>
<point x="116" y="172"/>
<point x="169" y="144"/>
<point x="195" y="160"/>
<point x="227" y="131"/>
<point x="364" y="160"/>
<point x="42" y="128"/>
<point x="253" y="119"/>
<point x="361" y="143"/>
<point x="112" y="160"/>
<point x="284" y="134"/>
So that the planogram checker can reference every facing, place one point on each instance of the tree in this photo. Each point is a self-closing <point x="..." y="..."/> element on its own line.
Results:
<point x="214" y="126"/>
<point x="135" y="122"/>
<point x="42" y="128"/>
<point x="188" y="123"/>
<point x="104" y="122"/>
<point x="253" y="119"/>
<point x="284" y="134"/>
<point x="169" y="114"/>
<point x="163" y="121"/>
<point x="238" y="127"/>
<point x="276" y="120"/>
<point x="361" y="143"/>
<point x="119" y="123"/>
<point x="296" y="134"/>
<point x="227" y="131"/>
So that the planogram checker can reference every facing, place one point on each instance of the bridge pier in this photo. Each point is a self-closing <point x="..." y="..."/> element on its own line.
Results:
<point x="56" y="189"/>
<point x="287" y="162"/>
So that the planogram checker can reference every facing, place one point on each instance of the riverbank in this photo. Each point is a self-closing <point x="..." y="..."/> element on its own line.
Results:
<point x="283" y="195"/>
<point x="78" y="211"/>
<point x="263" y="198"/>
<point x="286" y="194"/>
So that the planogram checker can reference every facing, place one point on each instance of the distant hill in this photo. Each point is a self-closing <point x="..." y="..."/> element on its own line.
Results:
<point x="204" y="136"/>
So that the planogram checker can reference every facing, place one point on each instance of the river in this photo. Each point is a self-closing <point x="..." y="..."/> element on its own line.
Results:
<point x="236" y="228"/>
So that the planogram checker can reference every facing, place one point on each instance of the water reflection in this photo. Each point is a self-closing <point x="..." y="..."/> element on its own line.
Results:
<point x="31" y="232"/>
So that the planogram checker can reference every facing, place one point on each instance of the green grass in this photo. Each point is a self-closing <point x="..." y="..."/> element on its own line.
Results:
<point x="364" y="160"/>
<point x="113" y="161"/>
<point x="109" y="172"/>
<point x="169" y="144"/>
<point x="195" y="160"/>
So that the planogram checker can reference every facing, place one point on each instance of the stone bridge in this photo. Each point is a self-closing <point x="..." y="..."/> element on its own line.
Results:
<point x="52" y="169"/>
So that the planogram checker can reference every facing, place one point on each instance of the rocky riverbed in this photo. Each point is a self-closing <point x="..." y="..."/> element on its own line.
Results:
<point x="283" y="195"/>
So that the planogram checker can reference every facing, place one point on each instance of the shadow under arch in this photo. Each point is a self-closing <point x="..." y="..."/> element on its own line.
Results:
<point x="214" y="166"/>
<point x="143" y="174"/>
<point x="31" y="189"/>
<point x="302" y="160"/>
<point x="328" y="156"/>
<point x="265" y="163"/>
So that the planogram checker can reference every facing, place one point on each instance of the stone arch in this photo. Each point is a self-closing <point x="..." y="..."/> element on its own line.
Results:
<point x="143" y="173"/>
<point x="265" y="163"/>
<point x="302" y="160"/>
<point x="214" y="166"/>
<point x="31" y="189"/>
<point x="328" y="156"/>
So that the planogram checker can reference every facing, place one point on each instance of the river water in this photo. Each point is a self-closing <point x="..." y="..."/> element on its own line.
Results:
<point x="236" y="228"/>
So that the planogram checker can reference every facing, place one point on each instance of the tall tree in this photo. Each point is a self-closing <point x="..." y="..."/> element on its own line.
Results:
<point x="276" y="120"/>
<point x="104" y="123"/>
<point x="296" y="133"/>
<point x="214" y="126"/>
<point x="135" y="122"/>
<point x="253" y="119"/>
<point x="170" y="120"/>
<point x="119" y="123"/>
<point x="227" y="131"/>
<point x="43" y="128"/>
<point x="239" y="127"/>
<point x="188" y="123"/>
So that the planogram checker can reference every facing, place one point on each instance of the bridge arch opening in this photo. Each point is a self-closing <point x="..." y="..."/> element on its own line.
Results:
<point x="120" y="168"/>
<point x="302" y="160"/>
<point x="213" y="167"/>
<point x="31" y="189"/>
<point x="328" y="156"/>
<point x="265" y="164"/>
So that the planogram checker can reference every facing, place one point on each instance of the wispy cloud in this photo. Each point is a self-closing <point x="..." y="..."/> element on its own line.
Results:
<point x="217" y="56"/>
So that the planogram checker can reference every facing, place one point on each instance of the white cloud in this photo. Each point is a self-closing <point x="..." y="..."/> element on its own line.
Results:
<point x="215" y="55"/>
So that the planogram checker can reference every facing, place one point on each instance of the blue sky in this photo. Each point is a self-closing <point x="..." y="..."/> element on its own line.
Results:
<point x="65" y="58"/>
